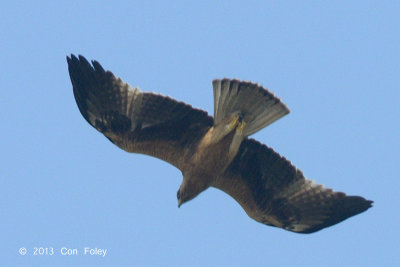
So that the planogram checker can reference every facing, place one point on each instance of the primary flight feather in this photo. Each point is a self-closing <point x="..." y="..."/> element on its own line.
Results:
<point x="212" y="152"/>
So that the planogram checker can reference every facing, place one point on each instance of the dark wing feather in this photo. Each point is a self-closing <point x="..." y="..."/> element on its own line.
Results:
<point x="274" y="192"/>
<point x="136" y="121"/>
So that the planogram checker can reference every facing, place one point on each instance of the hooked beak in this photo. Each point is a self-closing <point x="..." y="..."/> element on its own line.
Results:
<point x="178" y="196"/>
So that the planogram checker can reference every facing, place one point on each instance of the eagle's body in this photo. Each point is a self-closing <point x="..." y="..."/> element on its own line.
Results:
<point x="212" y="152"/>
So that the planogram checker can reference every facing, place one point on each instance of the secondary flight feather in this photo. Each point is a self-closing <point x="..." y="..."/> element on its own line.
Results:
<point x="212" y="152"/>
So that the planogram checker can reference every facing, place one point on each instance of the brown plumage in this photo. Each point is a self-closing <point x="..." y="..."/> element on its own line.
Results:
<point x="212" y="152"/>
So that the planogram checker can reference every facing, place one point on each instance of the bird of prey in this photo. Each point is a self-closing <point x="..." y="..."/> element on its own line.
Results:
<point x="212" y="152"/>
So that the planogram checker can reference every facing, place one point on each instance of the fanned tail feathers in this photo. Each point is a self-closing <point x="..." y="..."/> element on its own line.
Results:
<point x="257" y="106"/>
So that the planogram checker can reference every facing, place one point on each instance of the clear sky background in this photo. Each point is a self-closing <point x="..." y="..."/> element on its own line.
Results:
<point x="62" y="184"/>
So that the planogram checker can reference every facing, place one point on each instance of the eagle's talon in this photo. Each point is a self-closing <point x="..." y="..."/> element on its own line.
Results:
<point x="234" y="122"/>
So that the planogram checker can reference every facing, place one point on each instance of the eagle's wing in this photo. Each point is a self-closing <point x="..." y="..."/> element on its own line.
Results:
<point x="274" y="192"/>
<point x="136" y="121"/>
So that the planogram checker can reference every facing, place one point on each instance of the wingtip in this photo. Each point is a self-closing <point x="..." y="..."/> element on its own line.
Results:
<point x="71" y="56"/>
<point x="97" y="66"/>
<point x="369" y="203"/>
<point x="72" y="59"/>
<point x="82" y="59"/>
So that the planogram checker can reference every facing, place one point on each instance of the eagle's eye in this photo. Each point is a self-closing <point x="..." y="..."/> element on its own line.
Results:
<point x="178" y="194"/>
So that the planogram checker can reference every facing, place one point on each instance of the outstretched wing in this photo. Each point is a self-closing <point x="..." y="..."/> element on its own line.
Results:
<point x="136" y="121"/>
<point x="274" y="192"/>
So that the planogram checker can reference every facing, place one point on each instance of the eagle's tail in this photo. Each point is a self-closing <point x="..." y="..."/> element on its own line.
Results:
<point x="251" y="103"/>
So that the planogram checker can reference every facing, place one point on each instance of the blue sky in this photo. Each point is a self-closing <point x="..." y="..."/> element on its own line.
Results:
<point x="336" y="66"/>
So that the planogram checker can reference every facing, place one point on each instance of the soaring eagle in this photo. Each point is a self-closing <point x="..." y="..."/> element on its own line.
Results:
<point x="212" y="151"/>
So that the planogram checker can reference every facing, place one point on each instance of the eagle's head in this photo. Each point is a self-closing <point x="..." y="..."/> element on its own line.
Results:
<point x="183" y="196"/>
<point x="189" y="189"/>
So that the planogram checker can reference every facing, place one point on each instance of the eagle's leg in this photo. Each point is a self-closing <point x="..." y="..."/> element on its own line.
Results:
<point x="241" y="126"/>
<point x="235" y="121"/>
<point x="238" y="137"/>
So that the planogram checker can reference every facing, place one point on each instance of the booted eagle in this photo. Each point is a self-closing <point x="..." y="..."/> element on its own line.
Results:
<point x="212" y="151"/>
